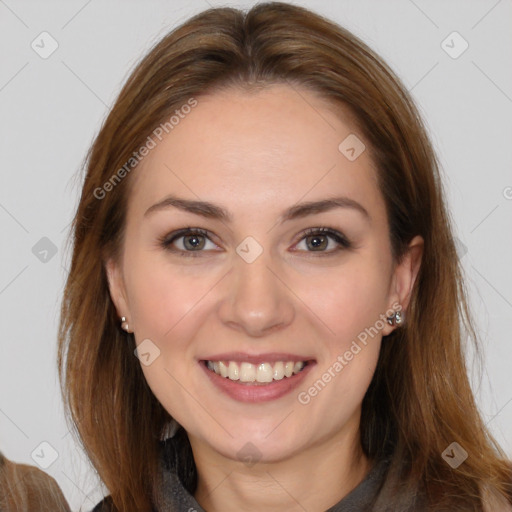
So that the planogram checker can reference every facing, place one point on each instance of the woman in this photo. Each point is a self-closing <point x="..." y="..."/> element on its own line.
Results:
<point x="263" y="248"/>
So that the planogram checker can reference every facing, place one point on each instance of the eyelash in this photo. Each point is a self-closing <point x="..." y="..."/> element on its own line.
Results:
<point x="167" y="240"/>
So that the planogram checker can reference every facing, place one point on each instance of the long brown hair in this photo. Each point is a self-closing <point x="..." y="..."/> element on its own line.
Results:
<point x="420" y="400"/>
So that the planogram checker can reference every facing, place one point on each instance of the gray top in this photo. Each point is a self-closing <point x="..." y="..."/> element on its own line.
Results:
<point x="175" y="497"/>
<point x="179" y="481"/>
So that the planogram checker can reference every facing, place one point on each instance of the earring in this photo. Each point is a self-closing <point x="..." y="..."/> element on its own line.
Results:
<point x="170" y="429"/>
<point x="395" y="319"/>
<point x="124" y="324"/>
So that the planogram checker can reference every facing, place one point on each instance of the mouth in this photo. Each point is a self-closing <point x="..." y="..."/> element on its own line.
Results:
<point x="256" y="374"/>
<point x="259" y="379"/>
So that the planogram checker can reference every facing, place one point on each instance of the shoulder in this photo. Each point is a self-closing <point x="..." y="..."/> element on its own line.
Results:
<point x="171" y="449"/>
<point x="104" y="505"/>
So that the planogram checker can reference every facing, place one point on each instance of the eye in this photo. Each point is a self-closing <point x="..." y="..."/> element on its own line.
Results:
<point x="189" y="241"/>
<point x="318" y="239"/>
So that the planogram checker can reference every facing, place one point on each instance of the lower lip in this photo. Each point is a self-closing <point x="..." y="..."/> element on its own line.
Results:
<point x="256" y="392"/>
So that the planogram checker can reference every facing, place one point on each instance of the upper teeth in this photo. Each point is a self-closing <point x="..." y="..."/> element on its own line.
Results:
<point x="263" y="372"/>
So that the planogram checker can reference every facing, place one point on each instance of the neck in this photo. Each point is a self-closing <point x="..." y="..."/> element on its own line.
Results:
<point x="313" y="479"/>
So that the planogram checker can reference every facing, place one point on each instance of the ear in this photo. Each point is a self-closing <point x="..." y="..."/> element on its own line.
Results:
<point x="404" y="277"/>
<point x="117" y="288"/>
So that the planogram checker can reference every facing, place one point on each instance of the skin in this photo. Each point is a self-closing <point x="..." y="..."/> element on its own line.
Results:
<point x="256" y="154"/>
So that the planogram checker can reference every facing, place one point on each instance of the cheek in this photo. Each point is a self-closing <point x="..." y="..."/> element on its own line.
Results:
<point x="350" y="299"/>
<point x="162" y="296"/>
<point x="166" y="305"/>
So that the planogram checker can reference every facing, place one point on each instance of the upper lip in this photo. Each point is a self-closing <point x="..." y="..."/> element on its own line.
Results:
<point x="270" y="357"/>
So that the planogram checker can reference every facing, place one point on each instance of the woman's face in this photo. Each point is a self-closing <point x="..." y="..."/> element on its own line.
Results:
<point x="256" y="288"/>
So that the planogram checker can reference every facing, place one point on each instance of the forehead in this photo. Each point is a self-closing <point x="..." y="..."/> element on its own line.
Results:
<point x="254" y="150"/>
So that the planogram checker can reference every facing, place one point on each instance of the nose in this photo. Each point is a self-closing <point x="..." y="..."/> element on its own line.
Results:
<point x="257" y="300"/>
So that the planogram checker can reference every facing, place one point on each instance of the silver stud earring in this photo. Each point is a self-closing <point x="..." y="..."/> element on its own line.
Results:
<point x="395" y="319"/>
<point x="124" y="324"/>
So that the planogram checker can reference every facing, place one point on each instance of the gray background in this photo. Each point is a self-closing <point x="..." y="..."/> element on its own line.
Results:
<point x="52" y="108"/>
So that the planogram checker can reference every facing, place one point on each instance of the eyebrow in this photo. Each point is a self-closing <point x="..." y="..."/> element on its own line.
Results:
<point x="213" y="211"/>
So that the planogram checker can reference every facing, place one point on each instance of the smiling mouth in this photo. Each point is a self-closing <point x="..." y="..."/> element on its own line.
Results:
<point x="262" y="373"/>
